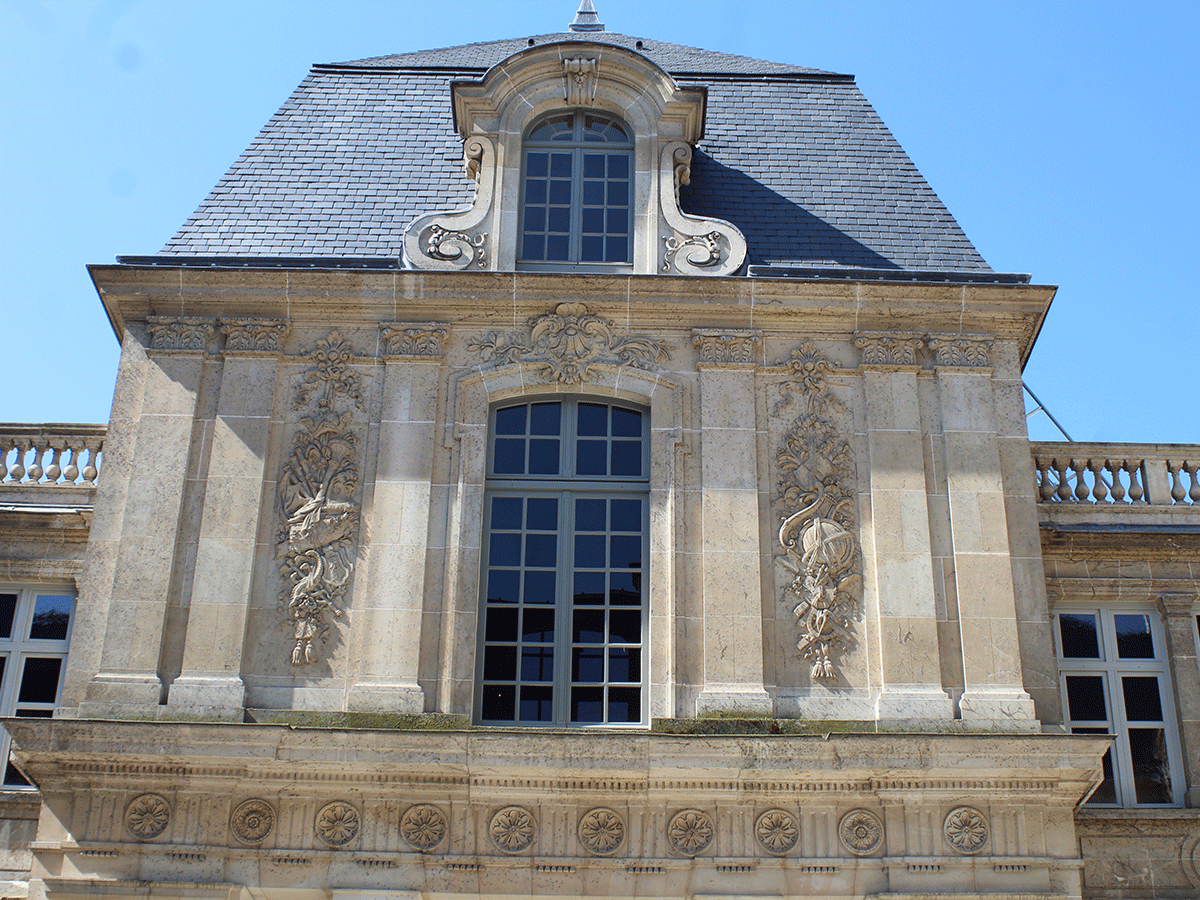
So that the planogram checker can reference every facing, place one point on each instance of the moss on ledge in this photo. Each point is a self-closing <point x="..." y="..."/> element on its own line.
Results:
<point x="359" y="720"/>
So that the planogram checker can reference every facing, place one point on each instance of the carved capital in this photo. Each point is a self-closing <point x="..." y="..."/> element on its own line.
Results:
<point x="727" y="346"/>
<point x="254" y="335"/>
<point x="414" y="339"/>
<point x="187" y="335"/>
<point x="1173" y="606"/>
<point x="888" y="349"/>
<point x="580" y="77"/>
<point x="953" y="350"/>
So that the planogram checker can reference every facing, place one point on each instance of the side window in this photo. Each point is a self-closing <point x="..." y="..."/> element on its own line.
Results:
<point x="1114" y="679"/>
<point x="35" y="626"/>
<point x="563" y="630"/>
<point x="577" y="193"/>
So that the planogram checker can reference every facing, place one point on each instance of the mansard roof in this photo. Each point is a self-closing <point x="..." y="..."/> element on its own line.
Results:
<point x="794" y="157"/>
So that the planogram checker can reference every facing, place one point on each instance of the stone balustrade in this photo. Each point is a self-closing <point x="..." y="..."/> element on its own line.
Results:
<point x="50" y="456"/>
<point x="1118" y="475"/>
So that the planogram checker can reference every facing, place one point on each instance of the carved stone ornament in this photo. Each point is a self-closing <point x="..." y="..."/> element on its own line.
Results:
<point x="252" y="821"/>
<point x="1189" y="856"/>
<point x="777" y="831"/>
<point x="180" y="334"/>
<point x="695" y="245"/>
<point x="690" y="832"/>
<point x="960" y="351"/>
<point x="888" y="350"/>
<point x="512" y="829"/>
<point x="816" y="534"/>
<point x="861" y="832"/>
<point x="331" y="374"/>
<point x="337" y="823"/>
<point x="966" y="830"/>
<point x="423" y="827"/>
<point x="601" y="831"/>
<point x="147" y="816"/>
<point x="260" y="335"/>
<point x="457" y="240"/>
<point x="580" y="77"/>
<point x="727" y="346"/>
<point x="565" y="344"/>
<point x="416" y="339"/>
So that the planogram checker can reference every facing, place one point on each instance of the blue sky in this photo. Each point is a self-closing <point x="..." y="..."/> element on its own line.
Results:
<point x="1062" y="136"/>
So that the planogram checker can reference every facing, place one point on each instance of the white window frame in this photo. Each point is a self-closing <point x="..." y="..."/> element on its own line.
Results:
<point x="1111" y="667"/>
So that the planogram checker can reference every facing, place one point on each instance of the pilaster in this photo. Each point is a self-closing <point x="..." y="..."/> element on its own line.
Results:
<point x="1179" y="613"/>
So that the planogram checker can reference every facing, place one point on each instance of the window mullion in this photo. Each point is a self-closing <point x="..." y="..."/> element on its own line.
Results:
<point x="562" y="609"/>
<point x="577" y="204"/>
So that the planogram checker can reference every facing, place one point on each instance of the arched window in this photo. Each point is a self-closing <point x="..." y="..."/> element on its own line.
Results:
<point x="577" y="193"/>
<point x="563" y="623"/>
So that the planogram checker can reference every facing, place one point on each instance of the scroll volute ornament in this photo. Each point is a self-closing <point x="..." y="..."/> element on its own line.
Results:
<point x="456" y="241"/>
<point x="693" y="245"/>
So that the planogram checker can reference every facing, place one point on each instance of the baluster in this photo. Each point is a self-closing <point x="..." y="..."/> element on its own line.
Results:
<point x="16" y="472"/>
<point x="1081" y="486"/>
<point x="70" y="464"/>
<point x="1136" y="477"/>
<point x="35" y="465"/>
<point x="1193" y="469"/>
<point x="1045" y="486"/>
<point x="1118" y="488"/>
<point x="6" y="446"/>
<point x="1099" y="488"/>
<point x="53" y="469"/>
<point x="1177" y="491"/>
<point x="1064" y="489"/>
<point x="90" y="471"/>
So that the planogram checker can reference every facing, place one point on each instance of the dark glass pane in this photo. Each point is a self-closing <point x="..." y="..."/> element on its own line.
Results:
<point x="543" y="456"/>
<point x="560" y="165"/>
<point x="618" y="222"/>
<point x="541" y="550"/>
<point x="545" y="418"/>
<point x="618" y="165"/>
<point x="537" y="625"/>
<point x="593" y="165"/>
<point x="624" y="664"/>
<point x="627" y="515"/>
<point x="500" y="663"/>
<point x="593" y="221"/>
<point x="539" y="587"/>
<point x="503" y="586"/>
<point x="627" y="458"/>
<point x="618" y="193"/>
<point x="625" y="588"/>
<point x="8" y="606"/>
<point x="625" y="626"/>
<point x="592" y="249"/>
<point x="509" y="458"/>
<point x="1133" y="637"/>
<point x="506" y="513"/>
<point x="501" y="624"/>
<point x="533" y="247"/>
<point x="560" y="200"/>
<point x="510" y="420"/>
<point x="537" y="663"/>
<point x="587" y="664"/>
<point x="542" y="514"/>
<point x="624" y="704"/>
<point x="588" y="626"/>
<point x="589" y="515"/>
<point x="591" y="458"/>
<point x="1080" y="638"/>
<point x="39" y="681"/>
<point x="14" y="778"/>
<point x="504" y="550"/>
<point x="593" y="420"/>
<point x="1142" y="700"/>
<point x="1085" y="698"/>
<point x="589" y="588"/>
<point x="593" y="193"/>
<point x="587" y="704"/>
<point x="535" y="192"/>
<point x="626" y="551"/>
<point x="618" y="250"/>
<point x="589" y="551"/>
<point x="537" y="703"/>
<point x="1151" y="773"/>
<point x="557" y="248"/>
<point x="535" y="218"/>
<point x="536" y="163"/>
<point x="499" y="701"/>
<point x="559" y="218"/>
<point x="3" y="660"/>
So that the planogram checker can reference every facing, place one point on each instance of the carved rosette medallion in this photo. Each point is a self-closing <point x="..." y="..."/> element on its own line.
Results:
<point x="580" y="77"/>
<point x="252" y="821"/>
<point x="777" y="831"/>
<point x="727" y="346"/>
<point x="190" y="335"/>
<point x="417" y="339"/>
<point x="147" y="816"/>
<point x="966" y="830"/>
<point x="601" y="831"/>
<point x="959" y="351"/>
<point x="254" y="335"/>
<point x="512" y="829"/>
<point x="337" y="823"/>
<point x="423" y="827"/>
<point x="815" y="491"/>
<point x="565" y="344"/>
<point x="690" y="832"/>
<point x="861" y="832"/>
<point x="888" y="350"/>
<point x="319" y="517"/>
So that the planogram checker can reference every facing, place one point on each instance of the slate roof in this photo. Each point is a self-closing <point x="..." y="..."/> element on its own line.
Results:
<point x="813" y="178"/>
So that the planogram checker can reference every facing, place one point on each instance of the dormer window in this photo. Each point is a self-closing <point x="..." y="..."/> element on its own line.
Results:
<point x="576" y="194"/>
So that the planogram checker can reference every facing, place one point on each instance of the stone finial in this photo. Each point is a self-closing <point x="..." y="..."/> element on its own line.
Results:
<point x="586" y="18"/>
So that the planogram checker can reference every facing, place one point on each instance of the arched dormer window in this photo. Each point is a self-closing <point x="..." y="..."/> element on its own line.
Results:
<point x="576" y="197"/>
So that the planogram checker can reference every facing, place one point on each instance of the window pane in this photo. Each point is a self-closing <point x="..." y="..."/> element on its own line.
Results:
<point x="1151" y="774"/>
<point x="537" y="703"/>
<point x="501" y="624"/>
<point x="589" y="515"/>
<point x="589" y="588"/>
<point x="1085" y="698"/>
<point x="1107" y="792"/>
<point x="14" y="778"/>
<point x="39" y="680"/>
<point x="592" y="249"/>
<point x="587" y="664"/>
<point x="627" y="515"/>
<point x="541" y="550"/>
<point x="624" y="704"/>
<point x="589" y="626"/>
<point x="535" y="218"/>
<point x="618" y="193"/>
<point x="559" y="217"/>
<point x="504" y="550"/>
<point x="625" y="589"/>
<point x="538" y="625"/>
<point x="625" y="626"/>
<point x="560" y="165"/>
<point x="557" y="246"/>
<point x="498" y="702"/>
<point x="618" y="221"/>
<point x="618" y="165"/>
<point x="593" y="193"/>
<point x="509" y="456"/>
<point x="543" y="456"/>
<point x="587" y="704"/>
<point x="542" y="514"/>
<point x="545" y="418"/>
<point x="511" y="420"/>
<point x="624" y="664"/>
<point x="589" y="551"/>
<point x="626" y="551"/>
<point x="503" y="586"/>
<point x="593" y="165"/>
<point x="539" y="587"/>
<point x="1080" y="637"/>
<point x="593" y="420"/>
<point x="1142" y="700"/>
<point x="8" y="606"/>
<point x="536" y="165"/>
<point x="500" y="663"/>
<point x="535" y="191"/>
<point x="627" y="458"/>
<point x="593" y="221"/>
<point x="537" y="664"/>
<point x="533" y="247"/>
<point x="506" y="513"/>
<point x="617" y="250"/>
<point x="1133" y="636"/>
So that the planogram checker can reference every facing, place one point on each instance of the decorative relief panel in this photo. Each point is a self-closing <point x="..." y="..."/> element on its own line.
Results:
<point x="319" y="516"/>
<point x="694" y="245"/>
<point x="690" y="832"/>
<point x="252" y="821"/>
<point x="888" y="350"/>
<point x="423" y="827"/>
<point x="815" y="488"/>
<point x="777" y="831"/>
<point x="580" y="77"/>
<point x="565" y="344"/>
<point x="147" y="816"/>
<point x="601" y="831"/>
<point x="260" y="335"/>
<point x="337" y="823"/>
<point x="966" y="830"/>
<point x="1189" y="856"/>
<point x="959" y="351"/>
<point x="512" y="829"/>
<point x="415" y="339"/>
<point x="727" y="346"/>
<point x="861" y="832"/>
<point x="180" y="334"/>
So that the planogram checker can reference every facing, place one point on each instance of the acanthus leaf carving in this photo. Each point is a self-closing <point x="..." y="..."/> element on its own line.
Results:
<point x="415" y="339"/>
<point x="566" y="343"/>
<point x="457" y="240"/>
<point x="951" y="350"/>
<point x="888" y="350"/>
<point x="694" y="245"/>
<point x="580" y="78"/>
<point x="727" y="346"/>
<point x="185" y="334"/>
<point x="816" y="533"/>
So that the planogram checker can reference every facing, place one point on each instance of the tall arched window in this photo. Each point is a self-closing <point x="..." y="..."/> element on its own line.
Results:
<point x="563" y="624"/>
<point x="577" y="194"/>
